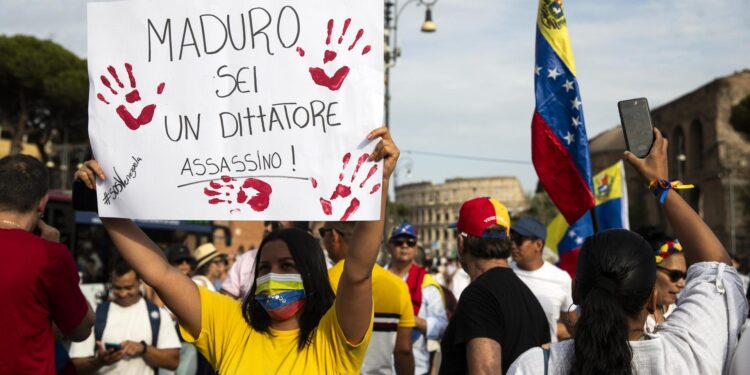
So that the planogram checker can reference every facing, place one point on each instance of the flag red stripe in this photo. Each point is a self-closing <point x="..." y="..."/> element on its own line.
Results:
<point x="569" y="261"/>
<point x="558" y="173"/>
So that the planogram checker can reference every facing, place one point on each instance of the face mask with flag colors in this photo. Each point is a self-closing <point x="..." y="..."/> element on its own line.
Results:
<point x="281" y="295"/>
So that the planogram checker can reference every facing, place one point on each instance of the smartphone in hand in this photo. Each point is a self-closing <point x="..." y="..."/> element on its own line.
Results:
<point x="635" y="117"/>
<point x="112" y="346"/>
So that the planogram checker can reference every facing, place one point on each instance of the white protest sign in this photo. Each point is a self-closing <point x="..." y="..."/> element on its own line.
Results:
<point x="236" y="110"/>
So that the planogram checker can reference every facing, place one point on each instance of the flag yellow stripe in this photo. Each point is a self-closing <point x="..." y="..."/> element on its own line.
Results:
<point x="557" y="38"/>
<point x="555" y="232"/>
<point x="613" y="177"/>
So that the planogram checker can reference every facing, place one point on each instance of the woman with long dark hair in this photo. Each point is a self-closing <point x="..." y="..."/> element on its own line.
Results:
<point x="290" y="322"/>
<point x="614" y="289"/>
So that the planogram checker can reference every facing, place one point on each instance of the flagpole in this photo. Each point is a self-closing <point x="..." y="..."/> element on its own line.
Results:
<point x="594" y="220"/>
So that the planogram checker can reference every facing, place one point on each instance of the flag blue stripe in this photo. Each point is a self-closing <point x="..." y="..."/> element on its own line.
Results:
<point x="609" y="214"/>
<point x="576" y="234"/>
<point x="554" y="102"/>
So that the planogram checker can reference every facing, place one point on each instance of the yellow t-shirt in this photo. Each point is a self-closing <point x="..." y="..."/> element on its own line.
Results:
<point x="233" y="347"/>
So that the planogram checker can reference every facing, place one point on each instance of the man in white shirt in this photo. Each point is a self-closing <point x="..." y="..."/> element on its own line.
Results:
<point x="550" y="285"/>
<point x="427" y="299"/>
<point x="128" y="327"/>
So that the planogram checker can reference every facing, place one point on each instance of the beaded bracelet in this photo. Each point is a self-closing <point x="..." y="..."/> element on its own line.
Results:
<point x="661" y="187"/>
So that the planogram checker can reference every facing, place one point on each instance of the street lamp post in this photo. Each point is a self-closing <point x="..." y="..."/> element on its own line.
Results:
<point x="391" y="49"/>
<point x="391" y="53"/>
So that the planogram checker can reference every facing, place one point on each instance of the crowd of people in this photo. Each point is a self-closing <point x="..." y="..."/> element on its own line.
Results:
<point x="318" y="303"/>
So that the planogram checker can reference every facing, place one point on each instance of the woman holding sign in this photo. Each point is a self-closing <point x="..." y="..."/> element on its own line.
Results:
<point x="289" y="323"/>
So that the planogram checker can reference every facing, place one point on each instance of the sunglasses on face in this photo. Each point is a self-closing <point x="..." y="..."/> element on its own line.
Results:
<point x="401" y="241"/>
<point x="674" y="275"/>
<point x="323" y="231"/>
<point x="518" y="240"/>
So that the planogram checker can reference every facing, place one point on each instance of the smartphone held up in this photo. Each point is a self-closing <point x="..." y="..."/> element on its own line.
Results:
<point x="637" y="128"/>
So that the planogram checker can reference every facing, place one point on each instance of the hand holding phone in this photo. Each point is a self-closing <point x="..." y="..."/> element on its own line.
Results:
<point x="638" y="130"/>
<point x="109" y="353"/>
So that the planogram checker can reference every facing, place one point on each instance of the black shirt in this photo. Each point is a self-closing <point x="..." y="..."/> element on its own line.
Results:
<point x="499" y="306"/>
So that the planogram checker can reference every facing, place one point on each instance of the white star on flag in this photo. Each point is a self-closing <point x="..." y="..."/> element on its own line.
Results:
<point x="576" y="122"/>
<point x="568" y="85"/>
<point x="553" y="73"/>
<point x="569" y="138"/>
<point x="572" y="233"/>
<point x="576" y="103"/>
<point x="579" y="241"/>
<point x="537" y="70"/>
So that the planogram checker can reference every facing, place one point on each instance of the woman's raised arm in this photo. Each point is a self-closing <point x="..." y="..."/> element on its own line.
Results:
<point x="700" y="243"/>
<point x="178" y="292"/>
<point x="354" y="297"/>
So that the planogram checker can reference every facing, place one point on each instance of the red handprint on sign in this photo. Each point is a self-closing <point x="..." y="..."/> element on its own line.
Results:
<point x="319" y="76"/>
<point x="147" y="112"/>
<point x="223" y="191"/>
<point x="344" y="188"/>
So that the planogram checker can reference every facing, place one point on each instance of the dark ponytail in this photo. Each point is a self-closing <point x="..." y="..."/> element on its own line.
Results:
<point x="615" y="277"/>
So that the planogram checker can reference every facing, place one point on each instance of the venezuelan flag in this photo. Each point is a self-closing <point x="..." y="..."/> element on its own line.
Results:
<point x="559" y="144"/>
<point x="611" y="212"/>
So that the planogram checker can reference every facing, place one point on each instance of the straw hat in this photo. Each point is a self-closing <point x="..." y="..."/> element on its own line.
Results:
<point x="204" y="254"/>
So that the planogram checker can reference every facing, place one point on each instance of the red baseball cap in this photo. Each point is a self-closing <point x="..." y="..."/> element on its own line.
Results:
<point x="478" y="214"/>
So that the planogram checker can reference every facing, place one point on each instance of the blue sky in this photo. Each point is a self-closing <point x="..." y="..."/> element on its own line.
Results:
<point x="468" y="88"/>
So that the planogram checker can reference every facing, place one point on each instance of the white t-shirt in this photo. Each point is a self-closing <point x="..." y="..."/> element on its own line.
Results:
<point x="204" y="282"/>
<point x="552" y="287"/>
<point x="129" y="323"/>
<point x="459" y="282"/>
<point x="699" y="337"/>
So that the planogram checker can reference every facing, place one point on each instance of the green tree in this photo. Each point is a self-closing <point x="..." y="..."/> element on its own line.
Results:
<point x="740" y="118"/>
<point x="45" y="91"/>
<point x="541" y="207"/>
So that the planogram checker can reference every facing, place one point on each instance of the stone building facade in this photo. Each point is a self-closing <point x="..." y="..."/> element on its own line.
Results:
<point x="704" y="150"/>
<point x="432" y="207"/>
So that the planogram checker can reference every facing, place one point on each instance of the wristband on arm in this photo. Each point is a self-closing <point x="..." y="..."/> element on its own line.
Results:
<point x="661" y="187"/>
